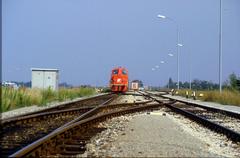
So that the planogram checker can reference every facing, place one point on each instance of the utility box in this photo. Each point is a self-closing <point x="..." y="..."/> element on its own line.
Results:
<point x="45" y="78"/>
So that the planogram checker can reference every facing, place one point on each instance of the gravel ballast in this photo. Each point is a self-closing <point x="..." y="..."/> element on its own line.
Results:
<point x="158" y="134"/>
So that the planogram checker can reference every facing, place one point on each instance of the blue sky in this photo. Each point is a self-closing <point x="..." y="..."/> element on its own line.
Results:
<point x="85" y="39"/>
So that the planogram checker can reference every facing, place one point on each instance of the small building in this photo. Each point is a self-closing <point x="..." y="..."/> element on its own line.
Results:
<point x="45" y="78"/>
<point x="134" y="86"/>
<point x="137" y="85"/>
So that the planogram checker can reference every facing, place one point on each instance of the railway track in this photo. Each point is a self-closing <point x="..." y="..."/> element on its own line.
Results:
<point x="70" y="138"/>
<point x="218" y="120"/>
<point x="71" y="107"/>
<point x="20" y="131"/>
<point x="70" y="133"/>
<point x="93" y="101"/>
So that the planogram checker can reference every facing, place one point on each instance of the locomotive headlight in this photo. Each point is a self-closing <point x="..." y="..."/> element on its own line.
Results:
<point x="119" y="80"/>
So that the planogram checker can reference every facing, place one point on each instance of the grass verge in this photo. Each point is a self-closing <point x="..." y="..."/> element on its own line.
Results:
<point x="227" y="97"/>
<point x="13" y="99"/>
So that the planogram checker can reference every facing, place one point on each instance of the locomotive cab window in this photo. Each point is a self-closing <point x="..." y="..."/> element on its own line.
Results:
<point x="115" y="72"/>
<point x="124" y="72"/>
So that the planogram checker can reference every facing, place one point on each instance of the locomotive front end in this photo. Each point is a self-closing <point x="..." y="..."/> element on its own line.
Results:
<point x="119" y="80"/>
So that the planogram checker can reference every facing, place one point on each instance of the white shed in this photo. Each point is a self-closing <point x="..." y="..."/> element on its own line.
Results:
<point x="45" y="78"/>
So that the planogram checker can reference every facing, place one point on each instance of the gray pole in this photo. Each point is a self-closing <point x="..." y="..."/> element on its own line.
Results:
<point x="177" y="57"/>
<point x="190" y="70"/>
<point x="190" y="80"/>
<point x="220" y="49"/>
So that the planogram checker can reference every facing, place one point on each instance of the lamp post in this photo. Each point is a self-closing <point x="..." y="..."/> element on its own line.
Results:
<point x="178" y="44"/>
<point x="220" y="48"/>
<point x="190" y="69"/>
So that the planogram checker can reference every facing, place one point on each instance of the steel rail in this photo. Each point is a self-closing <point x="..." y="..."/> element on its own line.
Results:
<point x="61" y="105"/>
<point x="106" y="104"/>
<point x="89" y="113"/>
<point x="54" y="111"/>
<point x="48" y="144"/>
<point x="36" y="117"/>
<point x="234" y="136"/>
<point x="222" y="111"/>
<point x="127" y="104"/>
<point x="132" y="93"/>
<point x="225" y="112"/>
<point x="8" y="123"/>
<point x="28" y="118"/>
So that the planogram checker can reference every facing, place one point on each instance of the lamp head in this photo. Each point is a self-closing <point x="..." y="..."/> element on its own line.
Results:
<point x="161" y="16"/>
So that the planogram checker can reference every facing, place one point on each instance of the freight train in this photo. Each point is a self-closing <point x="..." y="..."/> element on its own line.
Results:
<point x="119" y="80"/>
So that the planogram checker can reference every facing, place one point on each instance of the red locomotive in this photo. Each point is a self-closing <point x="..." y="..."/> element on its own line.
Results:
<point x="119" y="80"/>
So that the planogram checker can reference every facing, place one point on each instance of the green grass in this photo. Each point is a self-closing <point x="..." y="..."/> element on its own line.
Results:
<point x="64" y="94"/>
<point x="13" y="99"/>
<point x="227" y="97"/>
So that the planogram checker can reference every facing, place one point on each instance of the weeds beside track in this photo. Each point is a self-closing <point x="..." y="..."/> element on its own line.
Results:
<point x="13" y="99"/>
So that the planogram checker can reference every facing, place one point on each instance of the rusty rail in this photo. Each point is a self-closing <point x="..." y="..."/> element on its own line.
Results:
<point x="61" y="106"/>
<point x="50" y="144"/>
<point x="234" y="136"/>
<point x="22" y="122"/>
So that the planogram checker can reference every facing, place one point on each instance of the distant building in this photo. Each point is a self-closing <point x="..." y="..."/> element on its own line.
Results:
<point x="137" y="84"/>
<point x="134" y="85"/>
<point x="10" y="84"/>
<point x="45" y="78"/>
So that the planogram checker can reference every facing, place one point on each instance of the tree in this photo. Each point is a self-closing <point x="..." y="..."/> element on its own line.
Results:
<point x="233" y="79"/>
<point x="238" y="84"/>
<point x="171" y="83"/>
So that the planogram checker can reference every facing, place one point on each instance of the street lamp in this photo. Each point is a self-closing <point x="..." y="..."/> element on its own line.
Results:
<point x="220" y="49"/>
<point x="178" y="44"/>
<point x="162" y="16"/>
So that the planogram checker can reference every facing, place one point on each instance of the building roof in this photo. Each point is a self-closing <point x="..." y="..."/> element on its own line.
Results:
<point x="43" y="69"/>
